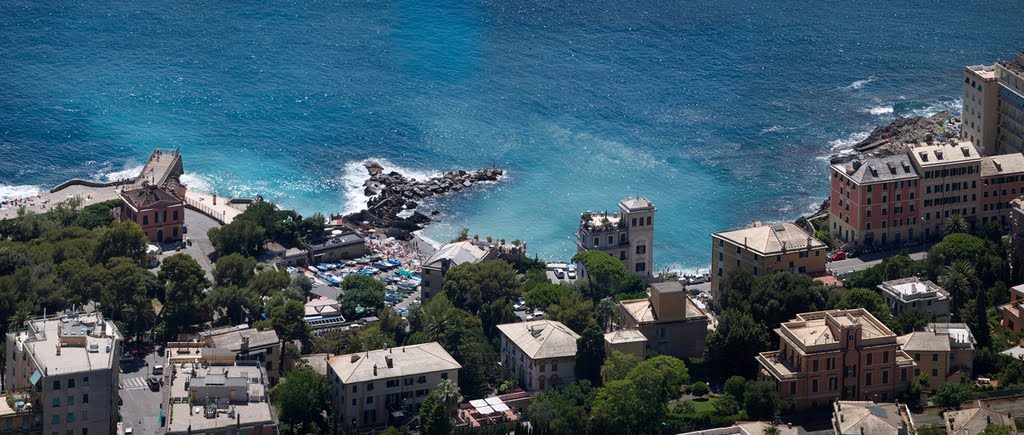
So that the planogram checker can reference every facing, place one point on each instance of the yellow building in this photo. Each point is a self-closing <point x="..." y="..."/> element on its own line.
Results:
<point x="943" y="351"/>
<point x="981" y="108"/>
<point x="763" y="250"/>
<point x="836" y="355"/>
<point x="672" y="323"/>
<point x="630" y="341"/>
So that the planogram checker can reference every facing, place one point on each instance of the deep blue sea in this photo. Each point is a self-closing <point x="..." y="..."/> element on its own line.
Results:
<point x="720" y="111"/>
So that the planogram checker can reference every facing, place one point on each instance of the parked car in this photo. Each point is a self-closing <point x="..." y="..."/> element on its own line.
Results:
<point x="154" y="383"/>
<point x="571" y="274"/>
<point x="838" y="255"/>
<point x="559" y="273"/>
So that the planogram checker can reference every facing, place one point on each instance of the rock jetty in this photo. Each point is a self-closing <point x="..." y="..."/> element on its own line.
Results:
<point x="394" y="198"/>
<point x="894" y="137"/>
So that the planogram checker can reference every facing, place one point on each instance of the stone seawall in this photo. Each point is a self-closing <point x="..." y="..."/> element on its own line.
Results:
<point x="89" y="183"/>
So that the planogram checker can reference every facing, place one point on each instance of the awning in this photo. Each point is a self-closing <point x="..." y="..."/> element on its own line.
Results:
<point x="36" y="376"/>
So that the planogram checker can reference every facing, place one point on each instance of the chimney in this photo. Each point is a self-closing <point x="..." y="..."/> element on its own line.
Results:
<point x="355" y="357"/>
<point x="375" y="369"/>
<point x="862" y="430"/>
<point x="390" y="362"/>
<point x="842" y="418"/>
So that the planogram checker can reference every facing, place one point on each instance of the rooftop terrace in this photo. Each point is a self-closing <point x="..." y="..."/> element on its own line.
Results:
<point x="70" y="344"/>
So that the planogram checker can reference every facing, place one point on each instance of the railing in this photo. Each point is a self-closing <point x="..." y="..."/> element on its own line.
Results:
<point x="220" y="216"/>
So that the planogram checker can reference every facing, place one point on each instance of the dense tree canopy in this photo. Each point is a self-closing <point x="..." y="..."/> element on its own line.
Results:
<point x="361" y="291"/>
<point x="303" y="401"/>
<point x="606" y="276"/>
<point x="731" y="347"/>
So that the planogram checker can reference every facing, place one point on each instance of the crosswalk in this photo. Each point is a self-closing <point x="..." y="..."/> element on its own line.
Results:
<point x="134" y="383"/>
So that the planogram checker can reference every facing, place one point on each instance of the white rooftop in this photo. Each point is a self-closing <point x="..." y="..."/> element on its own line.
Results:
<point x="391" y="363"/>
<point x="458" y="253"/>
<point x="913" y="288"/>
<point x="62" y="345"/>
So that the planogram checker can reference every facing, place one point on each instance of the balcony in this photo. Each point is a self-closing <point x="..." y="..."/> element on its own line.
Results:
<point x="779" y="367"/>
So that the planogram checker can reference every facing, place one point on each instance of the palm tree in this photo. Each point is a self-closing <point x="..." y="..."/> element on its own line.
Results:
<point x="956" y="224"/>
<point x="449" y="393"/>
<point x="960" y="280"/>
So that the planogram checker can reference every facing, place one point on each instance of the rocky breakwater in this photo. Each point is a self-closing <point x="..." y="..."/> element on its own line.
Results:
<point x="894" y="137"/>
<point x="394" y="198"/>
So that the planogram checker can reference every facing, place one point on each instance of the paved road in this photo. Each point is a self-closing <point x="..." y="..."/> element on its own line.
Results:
<point x="198" y="224"/>
<point x="850" y="265"/>
<point x="140" y="406"/>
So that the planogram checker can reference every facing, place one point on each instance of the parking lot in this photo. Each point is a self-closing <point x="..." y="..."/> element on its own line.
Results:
<point x="140" y="407"/>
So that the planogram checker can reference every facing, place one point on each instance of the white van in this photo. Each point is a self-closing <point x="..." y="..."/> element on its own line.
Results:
<point x="158" y="370"/>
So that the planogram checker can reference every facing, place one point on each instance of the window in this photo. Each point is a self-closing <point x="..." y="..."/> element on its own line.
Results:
<point x="814" y="385"/>
<point x="71" y="401"/>
<point x="421" y="380"/>
<point x="85" y="398"/>
<point x="885" y="377"/>
<point x="355" y="388"/>
<point x="145" y="219"/>
<point x="56" y="385"/>
<point x="71" y="417"/>
<point x="885" y="357"/>
<point x="648" y="220"/>
<point x="814" y="366"/>
<point x="444" y="375"/>
<point x="354" y="402"/>
<point x="792" y="388"/>
<point x="175" y="215"/>
<point x="622" y="255"/>
<point x="640" y="267"/>
<point x="935" y="357"/>
<point x="634" y="222"/>
<point x="597" y="241"/>
<point x="85" y="380"/>
<point x="935" y="372"/>
<point x="369" y="387"/>
<point x="392" y="383"/>
<point x="641" y="249"/>
<point x="55" y="420"/>
<point x="543" y="368"/>
<point x="56" y="402"/>
<point x="369" y="400"/>
<point x="870" y="358"/>
<point x="71" y="383"/>
<point x="867" y="378"/>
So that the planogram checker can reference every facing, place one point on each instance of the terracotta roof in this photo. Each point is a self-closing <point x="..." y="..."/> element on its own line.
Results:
<point x="392" y="363"/>
<point x="150" y="197"/>
<point x="771" y="239"/>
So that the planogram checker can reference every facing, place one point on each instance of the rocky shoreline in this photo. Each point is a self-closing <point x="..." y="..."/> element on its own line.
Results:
<point x="394" y="198"/>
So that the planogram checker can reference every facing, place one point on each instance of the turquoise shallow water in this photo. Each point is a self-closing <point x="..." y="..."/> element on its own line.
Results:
<point x="719" y="111"/>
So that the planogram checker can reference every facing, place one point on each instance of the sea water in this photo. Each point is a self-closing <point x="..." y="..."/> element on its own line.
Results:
<point x="719" y="111"/>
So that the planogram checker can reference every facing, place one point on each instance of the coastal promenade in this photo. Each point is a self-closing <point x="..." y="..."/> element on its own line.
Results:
<point x="222" y="211"/>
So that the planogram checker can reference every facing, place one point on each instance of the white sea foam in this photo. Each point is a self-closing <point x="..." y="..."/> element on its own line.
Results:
<point x="196" y="182"/>
<point x="355" y="175"/>
<point x="880" y="110"/>
<point x="849" y="141"/>
<point x="22" y="191"/>
<point x="954" y="105"/>
<point x="860" y="83"/>
<point x="128" y="172"/>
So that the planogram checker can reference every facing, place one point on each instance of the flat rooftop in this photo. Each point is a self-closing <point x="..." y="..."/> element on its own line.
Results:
<point x="812" y="329"/>
<point x="186" y="415"/>
<point x="621" y="336"/>
<point x="941" y="154"/>
<point x="771" y="239"/>
<point x="71" y="344"/>
<point x="231" y="337"/>
<point x="913" y="288"/>
<point x="962" y="336"/>
<point x="987" y="72"/>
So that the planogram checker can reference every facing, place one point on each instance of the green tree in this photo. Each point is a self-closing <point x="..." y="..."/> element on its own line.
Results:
<point x="627" y="406"/>
<point x="435" y="418"/>
<point x="461" y="334"/>
<point x="289" y="322"/>
<point x="778" y="297"/>
<point x="234" y="269"/>
<point x="911" y="320"/>
<point x="301" y="286"/>
<point x="271" y="282"/>
<point x="126" y="281"/>
<point x="672" y="371"/>
<point x="97" y="215"/>
<point x="951" y="395"/>
<point x="138" y="315"/>
<point x="732" y="347"/>
<point x="302" y="400"/>
<point x="955" y="224"/>
<point x="472" y="286"/>
<point x="606" y="276"/>
<point x="895" y="267"/>
<point x="184" y="283"/>
<point x="735" y="386"/>
<point x="124" y="239"/>
<point x="573" y="311"/>
<point x="562" y="412"/>
<point x="982" y="329"/>
<point x="699" y="389"/>
<point x="361" y="291"/>
<point x="590" y="354"/>
<point x="239" y="237"/>
<point x="280" y="225"/>
<point x="737" y="286"/>
<point x="238" y="304"/>
<point x="958" y="246"/>
<point x="960" y="280"/>
<point x="547" y="294"/>
<point x="312" y="227"/>
<point x="761" y="400"/>
<point x="865" y="298"/>
<point x="617" y="365"/>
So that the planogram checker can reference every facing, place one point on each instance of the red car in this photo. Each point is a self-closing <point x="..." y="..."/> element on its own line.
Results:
<point x="838" y="255"/>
